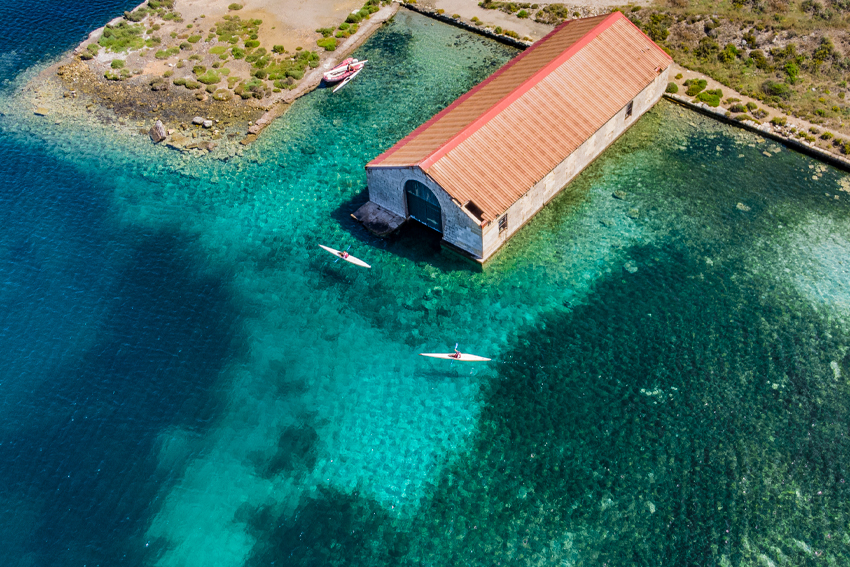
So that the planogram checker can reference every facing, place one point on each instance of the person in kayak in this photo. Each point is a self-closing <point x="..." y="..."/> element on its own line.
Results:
<point x="343" y="254"/>
<point x="456" y="354"/>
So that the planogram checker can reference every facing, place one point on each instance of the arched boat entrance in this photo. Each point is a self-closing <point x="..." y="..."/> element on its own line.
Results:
<point x="423" y="206"/>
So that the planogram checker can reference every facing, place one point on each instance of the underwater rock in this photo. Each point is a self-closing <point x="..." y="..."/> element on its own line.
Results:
<point x="742" y="207"/>
<point x="41" y="111"/>
<point x="608" y="223"/>
<point x="630" y="267"/>
<point x="619" y="195"/>
<point x="157" y="132"/>
<point x="633" y="213"/>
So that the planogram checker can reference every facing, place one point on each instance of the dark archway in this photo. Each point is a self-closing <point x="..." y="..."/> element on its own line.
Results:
<point x="423" y="206"/>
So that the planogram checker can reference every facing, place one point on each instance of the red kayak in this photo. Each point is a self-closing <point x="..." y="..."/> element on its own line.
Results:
<point x="344" y="70"/>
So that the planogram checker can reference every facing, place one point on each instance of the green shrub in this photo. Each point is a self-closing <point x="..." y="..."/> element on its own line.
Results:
<point x="752" y="106"/>
<point x="199" y="69"/>
<point x="210" y="78"/>
<point x="353" y="19"/>
<point x="737" y="108"/>
<point x="93" y="48"/>
<point x="759" y="113"/>
<point x="779" y="121"/>
<point x="695" y="86"/>
<point x="180" y="81"/>
<point x="117" y="76"/>
<point x="237" y="52"/>
<point x="260" y="73"/>
<point x="194" y="39"/>
<point x="152" y="41"/>
<point x="218" y="49"/>
<point x="826" y="136"/>
<point x="166" y="53"/>
<point x="672" y="88"/>
<point x="296" y="74"/>
<point x="234" y="6"/>
<point x="729" y="53"/>
<point x="252" y="43"/>
<point x="278" y="49"/>
<point x="707" y="48"/>
<point x="778" y="90"/>
<point x="678" y="76"/>
<point x="522" y="14"/>
<point x="122" y="37"/>
<point x="327" y="43"/>
<point x="711" y="98"/>
<point x="194" y="85"/>
<point x="168" y="74"/>
<point x="117" y="64"/>
<point x="185" y="46"/>
<point x="136" y="16"/>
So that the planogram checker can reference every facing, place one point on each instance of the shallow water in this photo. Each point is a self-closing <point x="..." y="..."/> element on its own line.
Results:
<point x="189" y="380"/>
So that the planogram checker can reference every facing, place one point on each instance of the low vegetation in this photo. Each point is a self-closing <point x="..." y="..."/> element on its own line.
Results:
<point x="790" y="55"/>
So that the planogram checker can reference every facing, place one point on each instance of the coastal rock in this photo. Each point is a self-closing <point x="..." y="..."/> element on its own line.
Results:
<point x="41" y="111"/>
<point x="619" y="195"/>
<point x="157" y="132"/>
<point x="633" y="213"/>
<point x="208" y="123"/>
<point x="255" y="129"/>
<point x="198" y="120"/>
<point x="742" y="207"/>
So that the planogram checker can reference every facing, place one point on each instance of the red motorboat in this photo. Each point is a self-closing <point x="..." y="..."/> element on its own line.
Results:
<point x="345" y="71"/>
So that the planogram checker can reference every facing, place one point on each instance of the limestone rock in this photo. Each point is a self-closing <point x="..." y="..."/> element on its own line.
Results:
<point x="619" y="195"/>
<point x="157" y="132"/>
<point x="198" y="120"/>
<point x="742" y="207"/>
<point x="208" y="123"/>
<point x="41" y="111"/>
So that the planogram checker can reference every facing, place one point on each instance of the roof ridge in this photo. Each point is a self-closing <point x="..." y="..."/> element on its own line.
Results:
<point x="606" y="22"/>
<point x="403" y="142"/>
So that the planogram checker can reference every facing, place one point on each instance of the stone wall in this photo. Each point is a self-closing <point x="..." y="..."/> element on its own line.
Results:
<point x="386" y="188"/>
<point x="547" y="188"/>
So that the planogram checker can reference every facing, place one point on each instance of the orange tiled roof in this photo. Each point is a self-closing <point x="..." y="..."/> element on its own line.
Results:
<point x="495" y="142"/>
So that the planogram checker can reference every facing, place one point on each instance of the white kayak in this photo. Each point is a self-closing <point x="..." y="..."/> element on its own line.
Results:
<point x="349" y="258"/>
<point x="451" y="356"/>
<point x="348" y="79"/>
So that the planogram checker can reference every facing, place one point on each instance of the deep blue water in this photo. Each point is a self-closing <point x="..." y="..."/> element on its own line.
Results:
<point x="187" y="380"/>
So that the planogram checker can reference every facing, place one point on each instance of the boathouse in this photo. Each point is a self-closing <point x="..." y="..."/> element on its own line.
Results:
<point x="480" y="169"/>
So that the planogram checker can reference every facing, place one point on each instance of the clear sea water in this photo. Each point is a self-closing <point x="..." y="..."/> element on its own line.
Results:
<point x="188" y="380"/>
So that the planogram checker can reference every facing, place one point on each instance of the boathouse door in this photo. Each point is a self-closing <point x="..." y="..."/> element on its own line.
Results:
<point x="423" y="206"/>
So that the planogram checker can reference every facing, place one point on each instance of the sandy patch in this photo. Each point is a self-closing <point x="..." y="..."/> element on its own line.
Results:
<point x="291" y="23"/>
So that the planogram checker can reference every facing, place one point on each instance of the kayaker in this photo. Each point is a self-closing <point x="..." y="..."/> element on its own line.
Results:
<point x="456" y="354"/>
<point x="343" y="255"/>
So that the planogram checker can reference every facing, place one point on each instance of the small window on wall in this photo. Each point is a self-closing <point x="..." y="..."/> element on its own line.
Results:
<point x="503" y="223"/>
<point x="629" y="108"/>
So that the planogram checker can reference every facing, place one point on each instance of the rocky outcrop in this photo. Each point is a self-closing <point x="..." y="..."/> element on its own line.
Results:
<point x="157" y="132"/>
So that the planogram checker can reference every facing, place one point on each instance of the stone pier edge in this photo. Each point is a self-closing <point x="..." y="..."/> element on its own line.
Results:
<point x="763" y="130"/>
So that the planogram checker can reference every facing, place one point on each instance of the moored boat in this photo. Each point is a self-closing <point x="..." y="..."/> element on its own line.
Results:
<point x="344" y="70"/>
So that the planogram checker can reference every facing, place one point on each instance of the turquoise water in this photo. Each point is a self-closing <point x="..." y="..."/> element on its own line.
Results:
<point x="190" y="381"/>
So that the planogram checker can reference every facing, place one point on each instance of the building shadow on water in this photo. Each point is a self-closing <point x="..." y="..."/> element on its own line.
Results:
<point x="413" y="241"/>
